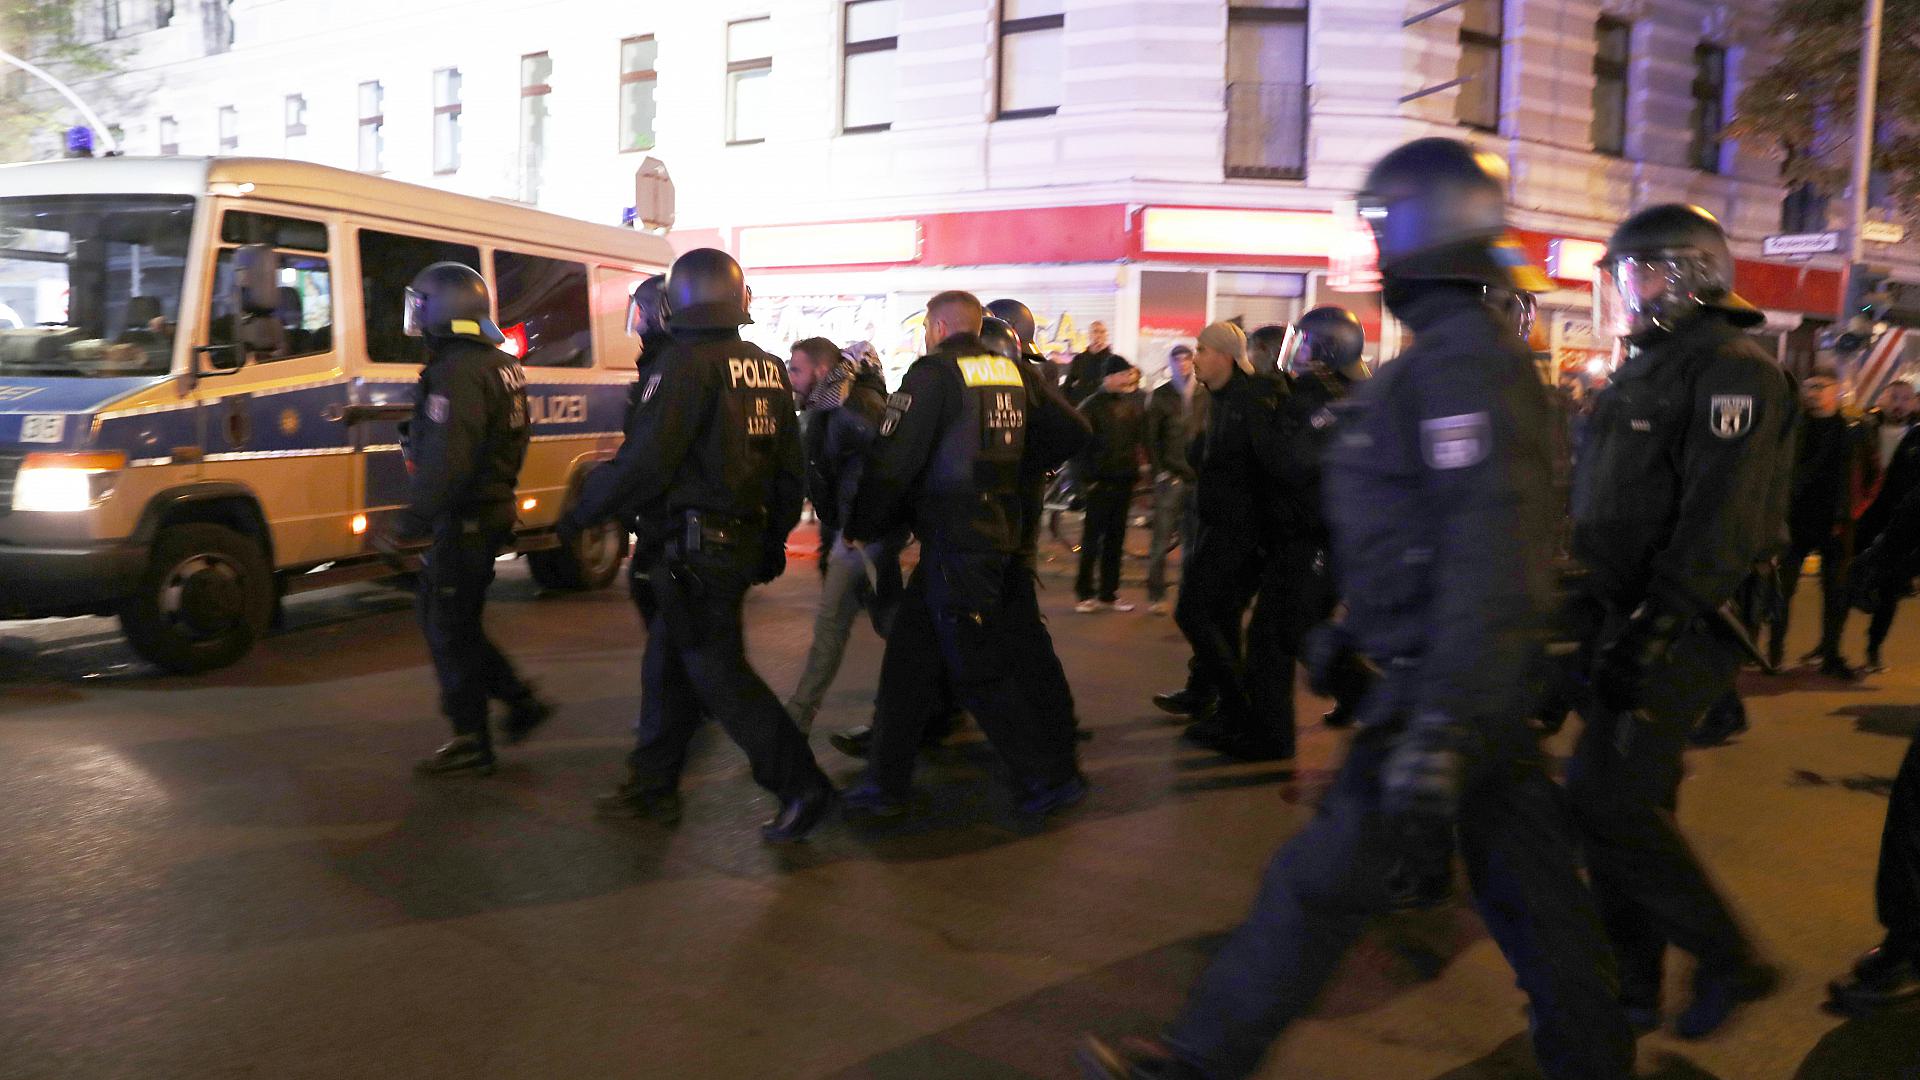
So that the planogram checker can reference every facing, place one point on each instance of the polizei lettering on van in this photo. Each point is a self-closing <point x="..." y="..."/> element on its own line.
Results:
<point x="755" y="374"/>
<point x="558" y="409"/>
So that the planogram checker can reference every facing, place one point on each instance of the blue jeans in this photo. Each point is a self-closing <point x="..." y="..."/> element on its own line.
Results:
<point x="1173" y="508"/>
<point x="843" y="594"/>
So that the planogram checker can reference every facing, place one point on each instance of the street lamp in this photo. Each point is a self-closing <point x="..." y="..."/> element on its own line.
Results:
<point x="92" y="118"/>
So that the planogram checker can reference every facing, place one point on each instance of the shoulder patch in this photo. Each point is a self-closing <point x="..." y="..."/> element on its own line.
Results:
<point x="897" y="406"/>
<point x="438" y="408"/>
<point x="1731" y="415"/>
<point x="1456" y="442"/>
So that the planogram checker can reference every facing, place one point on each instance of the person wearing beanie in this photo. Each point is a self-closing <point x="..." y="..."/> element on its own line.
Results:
<point x="1241" y="473"/>
<point x="1109" y="466"/>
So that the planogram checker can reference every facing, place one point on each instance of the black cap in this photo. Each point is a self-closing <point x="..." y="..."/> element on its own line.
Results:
<point x="706" y="290"/>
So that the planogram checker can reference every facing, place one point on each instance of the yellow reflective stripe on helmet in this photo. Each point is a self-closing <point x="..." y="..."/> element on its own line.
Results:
<point x="464" y="326"/>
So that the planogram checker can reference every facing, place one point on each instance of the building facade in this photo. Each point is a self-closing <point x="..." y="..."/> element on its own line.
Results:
<point x="1151" y="164"/>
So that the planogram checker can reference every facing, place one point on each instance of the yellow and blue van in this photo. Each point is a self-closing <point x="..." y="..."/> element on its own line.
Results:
<point x="202" y="370"/>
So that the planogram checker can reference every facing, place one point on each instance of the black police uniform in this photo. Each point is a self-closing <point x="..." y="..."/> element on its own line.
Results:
<point x="713" y="442"/>
<point x="464" y="447"/>
<point x="1439" y="497"/>
<point x="1680" y="487"/>
<point x="1241" y="487"/>
<point x="951" y="462"/>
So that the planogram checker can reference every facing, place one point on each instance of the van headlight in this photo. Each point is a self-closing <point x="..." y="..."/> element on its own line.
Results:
<point x="66" y="483"/>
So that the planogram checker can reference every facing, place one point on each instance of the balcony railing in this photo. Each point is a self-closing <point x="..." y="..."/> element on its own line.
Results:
<point x="1267" y="130"/>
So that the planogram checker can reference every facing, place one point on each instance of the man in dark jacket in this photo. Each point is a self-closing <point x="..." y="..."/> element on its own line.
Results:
<point x="715" y="444"/>
<point x="1680" y="489"/>
<point x="464" y="447"/>
<point x="1834" y="460"/>
<point x="1897" y="438"/>
<point x="842" y="401"/>
<point x="1109" y="467"/>
<point x="1089" y="368"/>
<point x="1176" y="414"/>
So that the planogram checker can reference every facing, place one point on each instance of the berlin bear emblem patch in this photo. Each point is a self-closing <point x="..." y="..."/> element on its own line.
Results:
<point x="1731" y="415"/>
<point x="1456" y="442"/>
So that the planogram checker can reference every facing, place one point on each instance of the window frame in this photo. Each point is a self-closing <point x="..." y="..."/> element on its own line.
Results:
<point x="378" y="122"/>
<point x="324" y="253"/>
<point x="736" y="67"/>
<point x="531" y="194"/>
<point x="1005" y="28"/>
<point x="165" y="126"/>
<point x="1620" y="72"/>
<point x="227" y="143"/>
<point x="295" y="129"/>
<point x="1249" y="15"/>
<point x="1497" y="44"/>
<point x="589" y="359"/>
<point x="452" y="109"/>
<point x="418" y="234"/>
<point x="1696" y="144"/>
<point x="631" y="78"/>
<point x="850" y="49"/>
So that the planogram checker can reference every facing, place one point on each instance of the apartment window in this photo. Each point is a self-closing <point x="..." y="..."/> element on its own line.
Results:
<point x="1032" y="53"/>
<point x="1709" y="106"/>
<point x="749" y="62"/>
<point x="638" y="82"/>
<point x="1803" y="210"/>
<point x="1267" y="89"/>
<point x="169" y="136"/>
<point x="536" y="78"/>
<point x="543" y="304"/>
<point x="1481" y="30"/>
<point x="868" y="66"/>
<point x="373" y="127"/>
<point x="296" y="319"/>
<point x="229" y="129"/>
<point x="1612" y="53"/>
<point x="446" y="120"/>
<point x="296" y="116"/>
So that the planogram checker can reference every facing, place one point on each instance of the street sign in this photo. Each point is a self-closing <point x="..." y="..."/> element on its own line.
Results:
<point x="1817" y="243"/>
<point x="1883" y="232"/>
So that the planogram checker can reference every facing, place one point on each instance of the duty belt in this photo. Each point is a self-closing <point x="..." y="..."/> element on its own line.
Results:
<point x="699" y="532"/>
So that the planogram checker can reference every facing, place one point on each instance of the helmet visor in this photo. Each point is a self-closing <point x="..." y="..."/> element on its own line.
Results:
<point x="1294" y="357"/>
<point x="636" y="316"/>
<point x="1634" y="294"/>
<point x="412" y="322"/>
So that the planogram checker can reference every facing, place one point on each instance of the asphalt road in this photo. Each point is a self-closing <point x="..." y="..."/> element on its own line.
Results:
<point x="235" y="875"/>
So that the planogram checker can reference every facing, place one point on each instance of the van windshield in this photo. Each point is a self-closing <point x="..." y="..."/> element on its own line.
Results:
<point x="90" y="284"/>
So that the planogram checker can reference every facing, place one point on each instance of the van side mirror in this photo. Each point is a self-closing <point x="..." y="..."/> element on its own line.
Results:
<point x="212" y="360"/>
<point x="256" y="280"/>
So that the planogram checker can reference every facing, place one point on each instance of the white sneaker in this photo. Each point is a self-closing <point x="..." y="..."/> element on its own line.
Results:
<point x="1122" y="606"/>
<point x="1159" y="607"/>
<point x="1087" y="607"/>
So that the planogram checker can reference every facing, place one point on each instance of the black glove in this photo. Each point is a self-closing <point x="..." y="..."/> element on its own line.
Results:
<point x="1625" y="663"/>
<point x="1420" y="789"/>
<point x="773" y="562"/>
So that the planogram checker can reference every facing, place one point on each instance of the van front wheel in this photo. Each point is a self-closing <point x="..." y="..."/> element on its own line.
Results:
<point x="205" y="598"/>
<point x="591" y="562"/>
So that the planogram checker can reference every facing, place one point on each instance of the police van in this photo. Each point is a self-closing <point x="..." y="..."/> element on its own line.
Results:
<point x="205" y="369"/>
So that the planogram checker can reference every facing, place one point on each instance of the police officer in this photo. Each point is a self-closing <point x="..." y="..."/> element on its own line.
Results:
<point x="949" y="460"/>
<point x="1679" y="490"/>
<point x="464" y="446"/>
<point x="1325" y="355"/>
<point x="1439" y="496"/>
<point x="714" y="443"/>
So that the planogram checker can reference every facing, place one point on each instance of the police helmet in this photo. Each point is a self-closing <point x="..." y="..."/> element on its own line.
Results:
<point x="706" y="290"/>
<point x="1017" y="315"/>
<point x="646" y="308"/>
<point x="1664" y="265"/>
<point x="1330" y="338"/>
<point x="1438" y="210"/>
<point x="999" y="338"/>
<point x="450" y="300"/>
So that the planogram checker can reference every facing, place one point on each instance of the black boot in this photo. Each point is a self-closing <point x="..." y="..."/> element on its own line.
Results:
<point x="524" y="714"/>
<point x="1042" y="799"/>
<point x="1185" y="701"/>
<point x="1777" y="653"/>
<point x="1718" y="991"/>
<point x="1834" y="667"/>
<point x="1886" y="974"/>
<point x="641" y="802"/>
<point x="465" y="754"/>
<point x="1874" y="666"/>
<point x="799" y="815"/>
<point x="1134" y="1059"/>
<point x="853" y="741"/>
